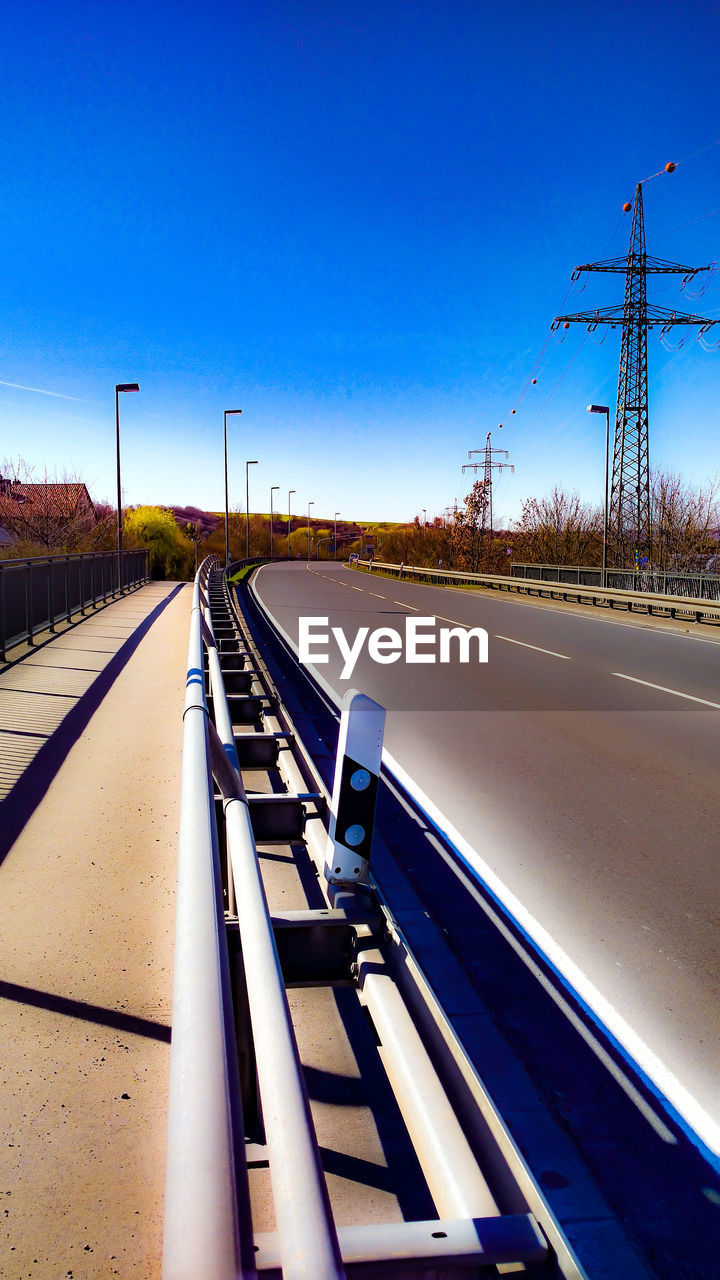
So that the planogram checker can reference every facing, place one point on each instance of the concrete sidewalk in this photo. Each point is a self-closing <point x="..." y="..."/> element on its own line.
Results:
<point x="87" y="885"/>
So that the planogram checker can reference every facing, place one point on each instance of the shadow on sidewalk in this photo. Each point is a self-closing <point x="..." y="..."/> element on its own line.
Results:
<point x="25" y="796"/>
<point x="127" y="1022"/>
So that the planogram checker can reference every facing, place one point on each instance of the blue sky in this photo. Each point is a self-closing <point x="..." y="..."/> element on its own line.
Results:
<point x="356" y="223"/>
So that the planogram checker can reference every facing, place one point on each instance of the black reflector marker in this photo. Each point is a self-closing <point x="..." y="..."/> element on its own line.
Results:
<point x="357" y="771"/>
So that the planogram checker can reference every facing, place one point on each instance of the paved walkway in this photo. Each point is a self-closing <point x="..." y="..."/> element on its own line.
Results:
<point x="90" y="742"/>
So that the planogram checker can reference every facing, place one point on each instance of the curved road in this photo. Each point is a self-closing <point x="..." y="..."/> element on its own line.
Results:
<point x="580" y="764"/>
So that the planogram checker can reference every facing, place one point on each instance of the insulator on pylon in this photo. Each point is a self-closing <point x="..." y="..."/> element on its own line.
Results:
<point x="669" y="167"/>
<point x="627" y="206"/>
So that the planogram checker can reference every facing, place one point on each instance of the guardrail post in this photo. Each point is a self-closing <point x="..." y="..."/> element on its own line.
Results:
<point x="357" y="774"/>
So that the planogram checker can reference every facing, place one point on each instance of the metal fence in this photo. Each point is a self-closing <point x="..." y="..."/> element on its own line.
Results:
<point x="37" y="593"/>
<point x="697" y="586"/>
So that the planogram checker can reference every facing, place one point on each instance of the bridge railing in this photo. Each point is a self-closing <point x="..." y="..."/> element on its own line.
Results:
<point x="38" y="592"/>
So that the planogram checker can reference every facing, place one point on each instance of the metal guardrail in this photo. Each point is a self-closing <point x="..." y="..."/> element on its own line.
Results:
<point x="646" y="601"/>
<point x="233" y="1041"/>
<point x="207" y="1209"/>
<point x="37" y="593"/>
<point x="696" y="586"/>
<point x="234" y="565"/>
<point x="202" y="1215"/>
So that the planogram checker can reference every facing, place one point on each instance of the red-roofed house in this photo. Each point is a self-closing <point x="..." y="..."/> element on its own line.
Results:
<point x="49" y="514"/>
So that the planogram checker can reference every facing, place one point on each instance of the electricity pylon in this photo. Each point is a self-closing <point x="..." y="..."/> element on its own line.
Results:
<point x="488" y="465"/>
<point x="629" y="515"/>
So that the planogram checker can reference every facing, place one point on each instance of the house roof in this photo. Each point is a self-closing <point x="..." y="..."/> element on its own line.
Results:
<point x="28" y="512"/>
<point x="54" y="499"/>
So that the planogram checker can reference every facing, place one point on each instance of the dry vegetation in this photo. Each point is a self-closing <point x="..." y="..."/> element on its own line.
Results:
<point x="50" y="516"/>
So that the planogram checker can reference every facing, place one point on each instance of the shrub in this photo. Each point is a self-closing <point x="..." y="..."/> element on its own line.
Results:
<point x="155" y="529"/>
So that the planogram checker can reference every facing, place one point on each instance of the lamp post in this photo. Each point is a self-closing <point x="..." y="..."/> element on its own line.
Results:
<point x="248" y="465"/>
<point x="337" y="513"/>
<point x="310" y="504"/>
<point x="272" y="490"/>
<point x="603" y="408"/>
<point x="227" y="518"/>
<point x="290" y="494"/>
<point x="120" y="386"/>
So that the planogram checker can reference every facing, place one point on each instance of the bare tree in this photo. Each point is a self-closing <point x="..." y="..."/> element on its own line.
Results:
<point x="559" y="529"/>
<point x="469" y="529"/>
<point x="684" y="522"/>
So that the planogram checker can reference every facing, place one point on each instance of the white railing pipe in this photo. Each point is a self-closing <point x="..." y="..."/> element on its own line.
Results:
<point x="206" y="1230"/>
<point x="306" y="1229"/>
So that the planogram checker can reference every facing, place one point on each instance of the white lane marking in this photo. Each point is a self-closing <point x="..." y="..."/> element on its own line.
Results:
<point x="665" y="1080"/>
<point x="406" y="606"/>
<point x="642" y="624"/>
<point x="466" y="625"/>
<point x="663" y="689"/>
<point x="377" y="596"/>
<point x="536" y="647"/>
<point x="358" y="589"/>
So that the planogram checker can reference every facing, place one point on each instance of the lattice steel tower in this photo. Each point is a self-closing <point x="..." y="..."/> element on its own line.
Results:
<point x="629" y="523"/>
<point x="488" y="465"/>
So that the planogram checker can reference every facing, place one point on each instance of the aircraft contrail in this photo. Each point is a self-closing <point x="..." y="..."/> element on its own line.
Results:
<point x="18" y="387"/>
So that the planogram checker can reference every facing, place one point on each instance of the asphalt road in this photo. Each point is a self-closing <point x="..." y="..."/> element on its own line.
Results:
<point x="580" y="764"/>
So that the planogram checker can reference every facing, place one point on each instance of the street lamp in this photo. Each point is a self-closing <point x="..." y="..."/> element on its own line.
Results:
<point x="272" y="490"/>
<point x="227" y="520"/>
<point x="290" y="494"/>
<point x="248" y="465"/>
<point x="310" y="504"/>
<point x="120" y="386"/>
<point x="603" y="408"/>
<point x="337" y="513"/>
